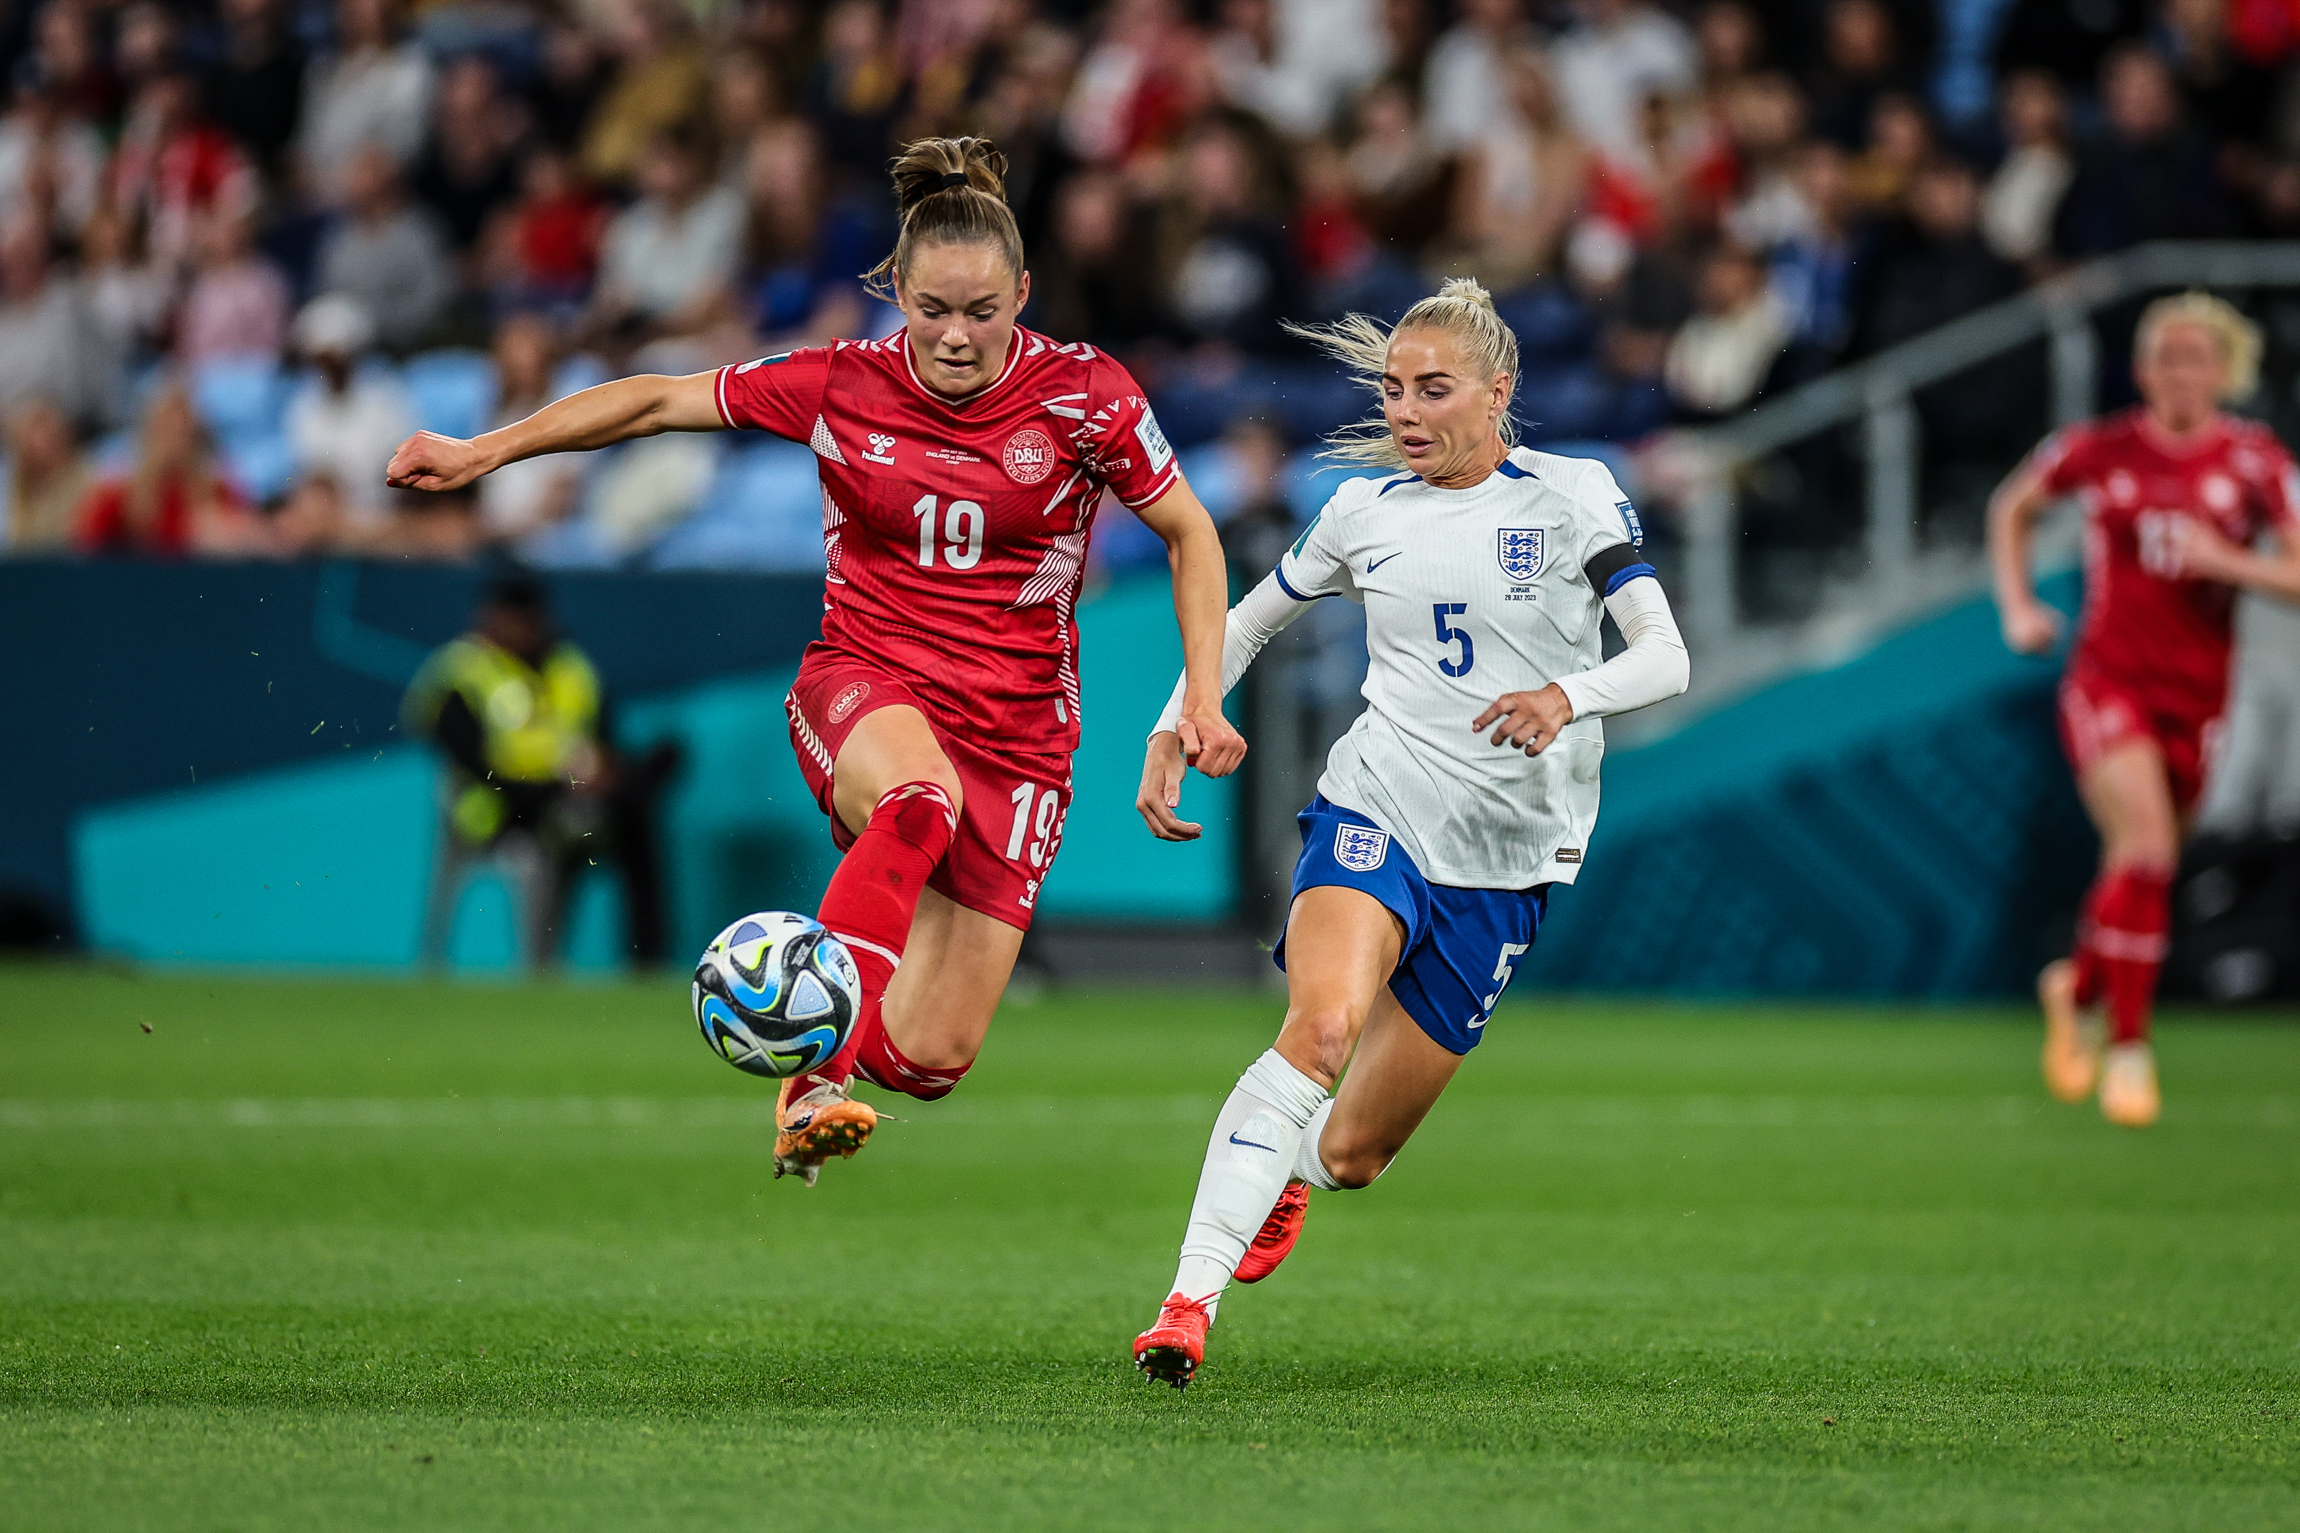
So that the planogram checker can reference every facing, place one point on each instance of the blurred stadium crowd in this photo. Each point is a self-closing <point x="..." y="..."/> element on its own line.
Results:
<point x="246" y="245"/>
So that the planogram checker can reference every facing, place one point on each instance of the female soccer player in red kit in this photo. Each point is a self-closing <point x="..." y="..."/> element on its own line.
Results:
<point x="961" y="464"/>
<point x="2174" y="494"/>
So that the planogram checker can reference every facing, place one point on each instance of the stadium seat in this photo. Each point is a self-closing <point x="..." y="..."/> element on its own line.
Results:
<point x="263" y="465"/>
<point x="240" y="396"/>
<point x="763" y="511"/>
<point x="453" y="391"/>
<point x="242" y="400"/>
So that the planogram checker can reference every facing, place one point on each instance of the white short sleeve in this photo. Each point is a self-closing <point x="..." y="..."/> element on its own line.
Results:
<point x="1607" y="517"/>
<point x="1319" y="562"/>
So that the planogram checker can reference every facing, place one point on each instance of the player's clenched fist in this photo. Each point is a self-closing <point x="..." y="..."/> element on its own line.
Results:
<point x="2030" y="627"/>
<point x="429" y="461"/>
<point x="1211" y="743"/>
<point x="1527" y="719"/>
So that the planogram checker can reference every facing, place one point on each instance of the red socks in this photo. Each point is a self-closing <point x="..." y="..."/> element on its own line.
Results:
<point x="869" y="905"/>
<point x="2120" y="945"/>
<point x="878" y="1061"/>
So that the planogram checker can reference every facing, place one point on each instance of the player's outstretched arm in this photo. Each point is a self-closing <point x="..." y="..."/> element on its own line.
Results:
<point x="1201" y="600"/>
<point x="2030" y="627"/>
<point x="595" y="417"/>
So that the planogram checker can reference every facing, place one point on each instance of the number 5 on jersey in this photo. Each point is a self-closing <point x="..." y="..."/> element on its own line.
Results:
<point x="1448" y="634"/>
<point x="961" y="531"/>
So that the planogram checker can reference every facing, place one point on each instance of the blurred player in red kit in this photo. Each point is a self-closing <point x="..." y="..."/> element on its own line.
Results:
<point x="961" y="462"/>
<point x="2175" y="492"/>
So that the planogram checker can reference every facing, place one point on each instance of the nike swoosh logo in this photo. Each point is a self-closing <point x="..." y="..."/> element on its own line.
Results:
<point x="1251" y="1145"/>
<point x="1375" y="564"/>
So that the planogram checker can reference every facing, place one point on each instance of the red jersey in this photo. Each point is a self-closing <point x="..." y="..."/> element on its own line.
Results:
<point x="2163" y="634"/>
<point x="954" y="530"/>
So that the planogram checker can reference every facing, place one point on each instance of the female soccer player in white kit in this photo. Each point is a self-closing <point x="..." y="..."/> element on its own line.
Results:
<point x="1463" y="792"/>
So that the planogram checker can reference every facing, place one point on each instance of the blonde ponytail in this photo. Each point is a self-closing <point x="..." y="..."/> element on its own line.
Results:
<point x="1462" y="308"/>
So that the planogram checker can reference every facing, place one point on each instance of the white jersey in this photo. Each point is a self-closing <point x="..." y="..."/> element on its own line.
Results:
<point x="1470" y="594"/>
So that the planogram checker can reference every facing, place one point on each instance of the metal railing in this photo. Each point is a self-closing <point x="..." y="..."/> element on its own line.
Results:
<point x="1898" y="576"/>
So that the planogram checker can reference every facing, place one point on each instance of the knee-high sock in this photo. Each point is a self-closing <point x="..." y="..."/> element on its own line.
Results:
<point x="2127" y="926"/>
<point x="874" y="894"/>
<point x="878" y="1061"/>
<point x="1309" y="1165"/>
<point x="1249" y="1159"/>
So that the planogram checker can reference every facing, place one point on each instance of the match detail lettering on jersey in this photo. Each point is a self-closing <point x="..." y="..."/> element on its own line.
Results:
<point x="1361" y="848"/>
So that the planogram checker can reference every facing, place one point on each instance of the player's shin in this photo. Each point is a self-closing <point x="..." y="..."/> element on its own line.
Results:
<point x="1250" y="1156"/>
<point x="874" y="895"/>
<point x="2129" y="930"/>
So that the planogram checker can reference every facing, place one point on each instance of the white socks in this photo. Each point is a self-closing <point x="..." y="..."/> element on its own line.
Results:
<point x="1252" y="1153"/>
<point x="1309" y="1166"/>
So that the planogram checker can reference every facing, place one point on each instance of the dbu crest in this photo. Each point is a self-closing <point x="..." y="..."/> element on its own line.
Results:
<point x="1521" y="550"/>
<point x="1361" y="848"/>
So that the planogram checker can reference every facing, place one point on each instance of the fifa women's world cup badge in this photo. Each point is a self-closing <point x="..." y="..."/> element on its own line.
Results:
<point x="1029" y="455"/>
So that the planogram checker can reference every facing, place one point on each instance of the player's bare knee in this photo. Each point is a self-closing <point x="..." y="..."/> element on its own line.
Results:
<point x="2145" y="850"/>
<point x="946" y="778"/>
<point x="1318" y="1038"/>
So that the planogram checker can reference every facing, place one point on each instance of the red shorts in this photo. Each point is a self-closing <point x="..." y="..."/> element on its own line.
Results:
<point x="2097" y="715"/>
<point x="1015" y="802"/>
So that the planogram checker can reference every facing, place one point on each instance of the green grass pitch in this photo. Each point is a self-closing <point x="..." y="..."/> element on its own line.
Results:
<point x="333" y="1255"/>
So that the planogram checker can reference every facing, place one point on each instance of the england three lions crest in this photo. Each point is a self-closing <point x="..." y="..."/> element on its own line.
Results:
<point x="1361" y="848"/>
<point x="1522" y="551"/>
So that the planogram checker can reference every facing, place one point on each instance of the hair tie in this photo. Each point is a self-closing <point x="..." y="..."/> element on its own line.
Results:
<point x="951" y="178"/>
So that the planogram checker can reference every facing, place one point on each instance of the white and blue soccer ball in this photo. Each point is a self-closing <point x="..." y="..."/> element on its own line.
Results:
<point x="776" y="994"/>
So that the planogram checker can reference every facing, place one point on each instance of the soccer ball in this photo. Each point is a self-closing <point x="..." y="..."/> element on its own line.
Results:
<point x="776" y="994"/>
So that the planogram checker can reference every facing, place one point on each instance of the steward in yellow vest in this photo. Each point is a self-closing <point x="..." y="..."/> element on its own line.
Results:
<point x="516" y="709"/>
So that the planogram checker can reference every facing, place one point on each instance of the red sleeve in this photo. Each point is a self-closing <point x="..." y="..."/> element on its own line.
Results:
<point x="2280" y="494"/>
<point x="782" y="394"/>
<point x="2064" y="459"/>
<point x="1128" y="454"/>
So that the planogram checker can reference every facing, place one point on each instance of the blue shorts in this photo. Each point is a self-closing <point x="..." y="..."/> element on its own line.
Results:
<point x="1462" y="946"/>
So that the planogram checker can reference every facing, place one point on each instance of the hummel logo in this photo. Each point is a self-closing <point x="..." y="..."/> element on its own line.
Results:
<point x="881" y="448"/>
<point x="1251" y="1145"/>
<point x="1375" y="564"/>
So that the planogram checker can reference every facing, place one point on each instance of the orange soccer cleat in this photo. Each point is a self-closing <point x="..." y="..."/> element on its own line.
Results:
<point x="812" y="1128"/>
<point x="2128" y="1094"/>
<point x="1277" y="1235"/>
<point x="2072" y="1034"/>
<point x="1172" y="1349"/>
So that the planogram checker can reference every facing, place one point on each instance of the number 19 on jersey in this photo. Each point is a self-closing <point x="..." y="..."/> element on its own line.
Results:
<point x="961" y="531"/>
